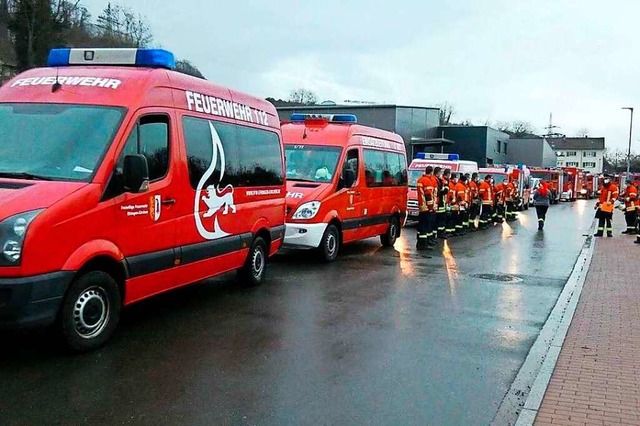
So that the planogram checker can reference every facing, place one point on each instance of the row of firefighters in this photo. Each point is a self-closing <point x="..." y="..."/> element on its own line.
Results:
<point x="449" y="204"/>
<point x="628" y="202"/>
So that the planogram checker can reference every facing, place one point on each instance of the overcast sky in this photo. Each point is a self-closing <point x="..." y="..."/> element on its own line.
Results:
<point x="492" y="59"/>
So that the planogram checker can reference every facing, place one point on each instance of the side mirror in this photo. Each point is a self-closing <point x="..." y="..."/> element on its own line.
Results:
<point x="349" y="178"/>
<point x="136" y="173"/>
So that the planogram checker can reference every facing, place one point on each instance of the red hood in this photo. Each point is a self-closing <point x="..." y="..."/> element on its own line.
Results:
<point x="18" y="196"/>
<point x="302" y="192"/>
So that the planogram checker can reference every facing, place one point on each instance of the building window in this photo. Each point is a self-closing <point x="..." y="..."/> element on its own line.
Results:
<point x="572" y="154"/>
<point x="505" y="148"/>
<point x="572" y="164"/>
<point x="589" y="164"/>
<point x="590" y="154"/>
<point x="498" y="146"/>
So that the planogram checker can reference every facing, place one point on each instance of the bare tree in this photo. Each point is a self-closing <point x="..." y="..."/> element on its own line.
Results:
<point x="447" y="111"/>
<point x="186" y="67"/>
<point x="583" y="132"/>
<point x="516" y="128"/>
<point x="303" y="97"/>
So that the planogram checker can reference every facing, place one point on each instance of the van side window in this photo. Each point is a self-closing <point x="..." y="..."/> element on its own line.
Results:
<point x="384" y="168"/>
<point x="149" y="137"/>
<point x="351" y="164"/>
<point x="252" y="157"/>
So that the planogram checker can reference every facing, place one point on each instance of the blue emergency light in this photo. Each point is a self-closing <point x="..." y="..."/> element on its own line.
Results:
<point x="430" y="156"/>
<point x="151" y="58"/>
<point x="332" y="118"/>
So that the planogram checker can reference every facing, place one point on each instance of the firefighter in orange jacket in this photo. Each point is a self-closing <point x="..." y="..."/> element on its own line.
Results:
<point x="608" y="195"/>
<point x="630" y="197"/>
<point x="452" y="203"/>
<point x="485" y="190"/>
<point x="510" y="195"/>
<point x="476" y="202"/>
<point x="427" y="187"/>
<point x="462" y="196"/>
<point x="498" y="215"/>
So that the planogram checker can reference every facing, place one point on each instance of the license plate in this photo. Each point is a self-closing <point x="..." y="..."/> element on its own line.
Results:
<point x="413" y="213"/>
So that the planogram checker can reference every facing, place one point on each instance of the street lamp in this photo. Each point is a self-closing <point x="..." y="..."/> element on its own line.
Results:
<point x="629" y="152"/>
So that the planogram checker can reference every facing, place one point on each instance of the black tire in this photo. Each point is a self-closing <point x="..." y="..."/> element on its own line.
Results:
<point x="255" y="267"/>
<point x="330" y="244"/>
<point x="90" y="311"/>
<point x="388" y="239"/>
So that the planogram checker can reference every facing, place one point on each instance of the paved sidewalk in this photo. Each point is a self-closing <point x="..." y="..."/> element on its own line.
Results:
<point x="596" y="379"/>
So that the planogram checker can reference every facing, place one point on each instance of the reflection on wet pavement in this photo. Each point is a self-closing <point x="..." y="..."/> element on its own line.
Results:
<point x="382" y="336"/>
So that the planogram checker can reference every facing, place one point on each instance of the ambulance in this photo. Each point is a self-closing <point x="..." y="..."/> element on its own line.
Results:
<point x="420" y="163"/>
<point x="121" y="179"/>
<point x="345" y="182"/>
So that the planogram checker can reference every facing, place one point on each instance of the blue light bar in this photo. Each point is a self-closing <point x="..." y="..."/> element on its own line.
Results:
<point x="431" y="156"/>
<point x="155" y="58"/>
<point x="332" y="118"/>
<point x="344" y="118"/>
<point x="151" y="58"/>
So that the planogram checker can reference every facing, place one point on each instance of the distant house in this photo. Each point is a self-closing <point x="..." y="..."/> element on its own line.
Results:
<point x="586" y="153"/>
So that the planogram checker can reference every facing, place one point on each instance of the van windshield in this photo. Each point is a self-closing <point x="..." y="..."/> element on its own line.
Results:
<point x="55" y="141"/>
<point x="312" y="163"/>
<point x="414" y="175"/>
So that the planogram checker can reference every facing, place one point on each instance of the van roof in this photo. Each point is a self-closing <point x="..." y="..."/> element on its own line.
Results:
<point x="133" y="88"/>
<point x="338" y="134"/>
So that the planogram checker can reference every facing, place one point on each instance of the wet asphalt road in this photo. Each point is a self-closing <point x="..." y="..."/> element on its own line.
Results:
<point x="382" y="336"/>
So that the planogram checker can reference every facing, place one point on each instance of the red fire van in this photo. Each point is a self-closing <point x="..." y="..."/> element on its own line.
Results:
<point x="345" y="182"/>
<point x="121" y="179"/>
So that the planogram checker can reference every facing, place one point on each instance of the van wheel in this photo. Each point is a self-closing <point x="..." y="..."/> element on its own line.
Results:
<point x="90" y="311"/>
<point x="254" y="269"/>
<point x="388" y="239"/>
<point x="330" y="244"/>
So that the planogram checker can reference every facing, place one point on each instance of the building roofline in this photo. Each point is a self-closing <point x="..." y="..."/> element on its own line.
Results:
<point x="358" y="106"/>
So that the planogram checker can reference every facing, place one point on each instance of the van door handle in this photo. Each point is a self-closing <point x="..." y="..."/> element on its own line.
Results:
<point x="354" y="192"/>
<point x="168" y="202"/>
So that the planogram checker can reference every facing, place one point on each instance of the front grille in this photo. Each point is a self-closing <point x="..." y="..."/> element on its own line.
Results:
<point x="412" y="204"/>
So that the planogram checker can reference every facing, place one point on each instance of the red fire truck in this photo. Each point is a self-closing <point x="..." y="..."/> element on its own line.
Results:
<point x="553" y="177"/>
<point x="589" y="188"/>
<point x="572" y="183"/>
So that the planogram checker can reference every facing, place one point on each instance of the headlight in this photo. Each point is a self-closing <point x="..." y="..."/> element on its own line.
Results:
<point x="307" y="210"/>
<point x="12" y="232"/>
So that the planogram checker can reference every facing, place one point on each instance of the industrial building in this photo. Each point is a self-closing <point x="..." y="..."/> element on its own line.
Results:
<point x="532" y="151"/>
<point x="420" y="129"/>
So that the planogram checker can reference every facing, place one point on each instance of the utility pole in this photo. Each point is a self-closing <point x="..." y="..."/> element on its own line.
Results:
<point x="630" y="133"/>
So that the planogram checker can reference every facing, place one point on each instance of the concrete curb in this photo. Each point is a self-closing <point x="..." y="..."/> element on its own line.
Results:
<point x="533" y="377"/>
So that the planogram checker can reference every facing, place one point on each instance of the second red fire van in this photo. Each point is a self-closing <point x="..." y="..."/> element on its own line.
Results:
<point x="345" y="182"/>
<point x="121" y="179"/>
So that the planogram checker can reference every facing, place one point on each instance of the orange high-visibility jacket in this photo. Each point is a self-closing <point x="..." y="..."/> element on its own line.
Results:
<point x="631" y="198"/>
<point x="462" y="195"/>
<point x="473" y="190"/>
<point x="608" y="195"/>
<point x="510" y="191"/>
<point x="499" y="193"/>
<point x="486" y="193"/>
<point x="451" y="195"/>
<point x="427" y="193"/>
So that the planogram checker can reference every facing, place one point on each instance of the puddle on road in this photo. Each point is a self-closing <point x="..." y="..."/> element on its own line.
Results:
<point x="505" y="278"/>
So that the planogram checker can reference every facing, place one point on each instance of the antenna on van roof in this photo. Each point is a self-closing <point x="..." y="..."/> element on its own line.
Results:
<point x="56" y="86"/>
